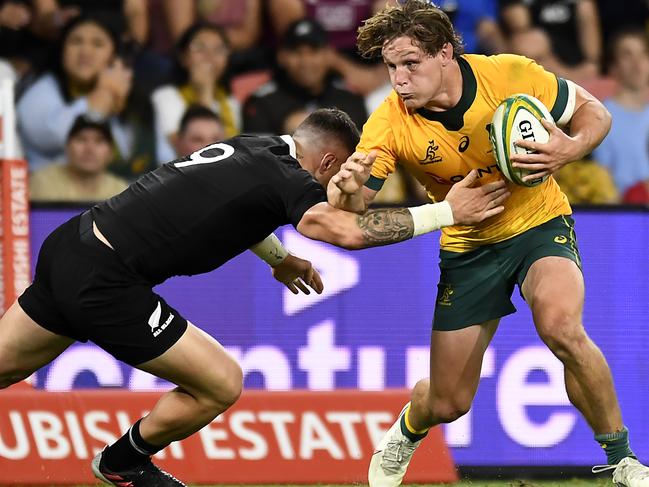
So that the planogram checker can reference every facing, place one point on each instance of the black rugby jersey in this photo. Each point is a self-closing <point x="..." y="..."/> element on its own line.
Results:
<point x="193" y="214"/>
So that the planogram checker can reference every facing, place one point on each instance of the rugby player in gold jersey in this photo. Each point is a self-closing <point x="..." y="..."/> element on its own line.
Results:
<point x="435" y="123"/>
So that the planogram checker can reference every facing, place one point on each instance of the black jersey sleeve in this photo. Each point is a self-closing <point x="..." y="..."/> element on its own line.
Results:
<point x="301" y="194"/>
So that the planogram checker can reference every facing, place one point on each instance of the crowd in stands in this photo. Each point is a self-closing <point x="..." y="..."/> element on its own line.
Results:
<point x="107" y="90"/>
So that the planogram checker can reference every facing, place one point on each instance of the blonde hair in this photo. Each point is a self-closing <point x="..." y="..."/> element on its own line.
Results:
<point x="427" y="25"/>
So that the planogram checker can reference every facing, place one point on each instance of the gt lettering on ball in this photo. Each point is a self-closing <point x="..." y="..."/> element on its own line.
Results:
<point x="526" y="130"/>
<point x="518" y="118"/>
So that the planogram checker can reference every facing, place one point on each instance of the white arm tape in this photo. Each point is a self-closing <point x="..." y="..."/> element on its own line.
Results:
<point x="431" y="217"/>
<point x="271" y="250"/>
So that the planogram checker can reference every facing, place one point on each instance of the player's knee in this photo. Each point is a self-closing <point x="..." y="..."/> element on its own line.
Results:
<point x="224" y="391"/>
<point x="562" y="332"/>
<point x="233" y="384"/>
<point x="447" y="410"/>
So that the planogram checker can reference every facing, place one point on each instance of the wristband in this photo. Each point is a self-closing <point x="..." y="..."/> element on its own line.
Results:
<point x="431" y="217"/>
<point x="270" y="250"/>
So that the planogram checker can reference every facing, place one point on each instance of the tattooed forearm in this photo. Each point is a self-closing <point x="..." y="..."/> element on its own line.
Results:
<point x="386" y="226"/>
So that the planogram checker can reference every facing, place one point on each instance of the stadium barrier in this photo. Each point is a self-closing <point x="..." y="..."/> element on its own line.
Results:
<point x="15" y="273"/>
<point x="300" y="437"/>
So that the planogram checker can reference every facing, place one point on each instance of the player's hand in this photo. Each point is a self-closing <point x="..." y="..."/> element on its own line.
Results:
<point x="354" y="172"/>
<point x="298" y="275"/>
<point x="471" y="203"/>
<point x="549" y="157"/>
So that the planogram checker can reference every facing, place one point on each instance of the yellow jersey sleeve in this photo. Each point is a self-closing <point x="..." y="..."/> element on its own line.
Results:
<point x="378" y="136"/>
<point x="526" y="76"/>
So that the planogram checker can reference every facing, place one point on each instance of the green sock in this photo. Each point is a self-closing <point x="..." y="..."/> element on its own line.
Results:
<point x="413" y="436"/>
<point x="616" y="445"/>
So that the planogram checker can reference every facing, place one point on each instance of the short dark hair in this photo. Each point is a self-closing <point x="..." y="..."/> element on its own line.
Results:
<point x="196" y="112"/>
<point x="305" y="32"/>
<point x="334" y="123"/>
<point x="196" y="28"/>
<point x="82" y="122"/>
<point x="427" y="25"/>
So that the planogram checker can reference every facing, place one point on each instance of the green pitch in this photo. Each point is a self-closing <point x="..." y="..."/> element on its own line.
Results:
<point x="535" y="483"/>
<point x="467" y="483"/>
<point x="487" y="483"/>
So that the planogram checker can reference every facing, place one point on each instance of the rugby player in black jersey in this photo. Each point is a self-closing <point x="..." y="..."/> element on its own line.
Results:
<point x="95" y="273"/>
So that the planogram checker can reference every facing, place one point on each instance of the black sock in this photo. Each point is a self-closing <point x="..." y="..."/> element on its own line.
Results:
<point x="129" y="451"/>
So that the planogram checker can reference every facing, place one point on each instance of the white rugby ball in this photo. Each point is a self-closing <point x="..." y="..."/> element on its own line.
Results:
<point x="517" y="118"/>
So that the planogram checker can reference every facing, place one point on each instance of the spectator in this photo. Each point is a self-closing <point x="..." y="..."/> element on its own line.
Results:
<point x="625" y="151"/>
<point x="293" y="119"/>
<point x="169" y="19"/>
<point x="128" y="17"/>
<point x="199" y="78"/>
<point x="250" y="25"/>
<point x="15" y="14"/>
<point x="561" y="35"/>
<point x="18" y="45"/>
<point x="586" y="182"/>
<point x="7" y="71"/>
<point x="638" y="194"/>
<point x="341" y="19"/>
<point x="243" y="21"/>
<point x="477" y="22"/>
<point x="615" y="17"/>
<point x="83" y="176"/>
<point x="87" y="78"/>
<point x="302" y="82"/>
<point x="199" y="127"/>
<point x="243" y="24"/>
<point x="253" y="27"/>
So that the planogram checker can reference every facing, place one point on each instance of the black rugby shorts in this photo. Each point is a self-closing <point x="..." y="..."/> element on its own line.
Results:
<point x="83" y="290"/>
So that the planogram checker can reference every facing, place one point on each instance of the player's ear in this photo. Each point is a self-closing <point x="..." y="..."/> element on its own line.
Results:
<point x="328" y="162"/>
<point x="446" y="53"/>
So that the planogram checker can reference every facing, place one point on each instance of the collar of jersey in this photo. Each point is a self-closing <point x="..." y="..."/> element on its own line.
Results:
<point x="453" y="118"/>
<point x="291" y="145"/>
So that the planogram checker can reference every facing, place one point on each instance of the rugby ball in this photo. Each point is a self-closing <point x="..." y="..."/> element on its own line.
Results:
<point x="517" y="118"/>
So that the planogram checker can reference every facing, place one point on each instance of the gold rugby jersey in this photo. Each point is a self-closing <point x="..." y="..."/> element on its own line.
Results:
<point x="440" y="148"/>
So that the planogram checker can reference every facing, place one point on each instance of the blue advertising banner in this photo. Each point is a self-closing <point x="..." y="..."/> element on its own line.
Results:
<point x="370" y="330"/>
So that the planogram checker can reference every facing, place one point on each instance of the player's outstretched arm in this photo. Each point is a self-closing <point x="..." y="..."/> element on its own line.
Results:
<point x="464" y="205"/>
<point x="346" y="188"/>
<point x="352" y="231"/>
<point x="295" y="273"/>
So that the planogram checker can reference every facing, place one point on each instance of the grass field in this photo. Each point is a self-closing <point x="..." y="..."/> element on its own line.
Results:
<point x="535" y="483"/>
<point x="503" y="483"/>
<point x="603" y="482"/>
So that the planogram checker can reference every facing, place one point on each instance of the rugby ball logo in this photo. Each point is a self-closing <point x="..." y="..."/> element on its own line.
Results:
<point x="517" y="118"/>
